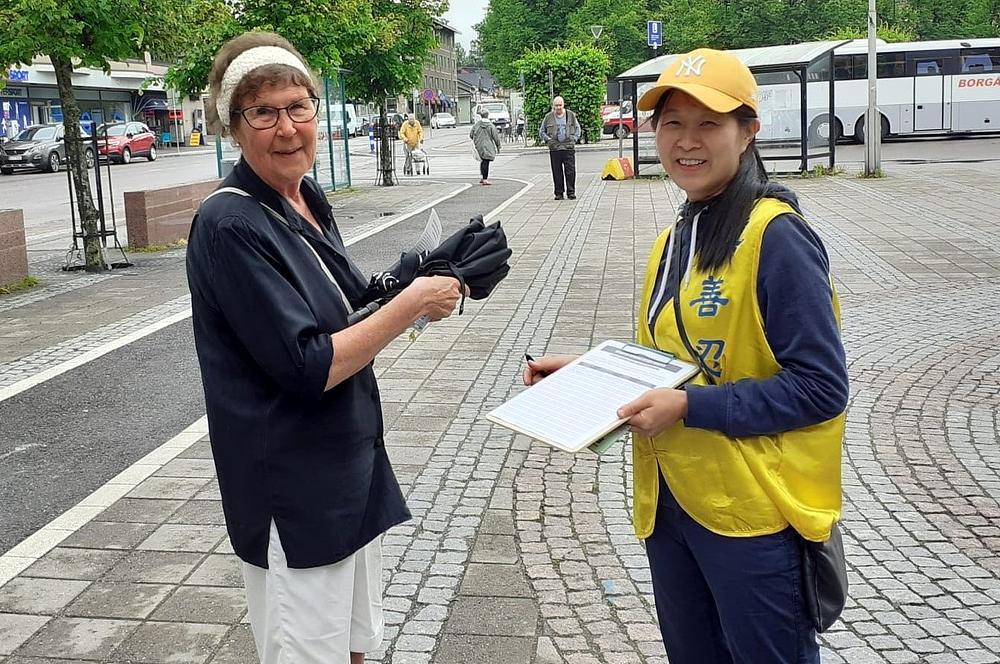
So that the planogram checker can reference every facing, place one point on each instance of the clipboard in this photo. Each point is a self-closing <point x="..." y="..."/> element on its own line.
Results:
<point x="577" y="406"/>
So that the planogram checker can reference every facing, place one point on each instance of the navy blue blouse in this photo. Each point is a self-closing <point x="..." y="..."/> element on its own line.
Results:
<point x="285" y="448"/>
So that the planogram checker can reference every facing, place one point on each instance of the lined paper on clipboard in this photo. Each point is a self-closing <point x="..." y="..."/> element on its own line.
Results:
<point x="577" y="406"/>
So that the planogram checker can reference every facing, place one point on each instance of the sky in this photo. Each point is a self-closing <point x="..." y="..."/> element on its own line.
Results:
<point x="462" y="15"/>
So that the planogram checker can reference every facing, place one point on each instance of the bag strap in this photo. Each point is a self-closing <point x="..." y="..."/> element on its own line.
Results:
<point x="274" y="214"/>
<point x="676" y="281"/>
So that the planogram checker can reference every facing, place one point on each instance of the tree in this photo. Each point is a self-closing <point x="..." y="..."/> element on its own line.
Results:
<point x="383" y="44"/>
<point x="89" y="33"/>
<point x="623" y="36"/>
<point x="579" y="73"/>
<point x="884" y="31"/>
<point x="326" y="32"/>
<point x="470" y="59"/>
<point x="982" y="19"/>
<point x="392" y="62"/>
<point x="690" y="24"/>
<point x="512" y="27"/>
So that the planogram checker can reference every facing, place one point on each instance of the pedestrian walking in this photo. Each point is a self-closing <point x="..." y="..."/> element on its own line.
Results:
<point x="412" y="134"/>
<point x="486" y="143"/>
<point x="734" y="473"/>
<point x="560" y="131"/>
<point x="293" y="405"/>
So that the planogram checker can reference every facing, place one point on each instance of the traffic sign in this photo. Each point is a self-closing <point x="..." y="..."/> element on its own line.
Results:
<point x="654" y="33"/>
<point x="427" y="95"/>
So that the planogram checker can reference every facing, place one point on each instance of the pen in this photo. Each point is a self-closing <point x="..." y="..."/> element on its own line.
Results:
<point x="529" y="358"/>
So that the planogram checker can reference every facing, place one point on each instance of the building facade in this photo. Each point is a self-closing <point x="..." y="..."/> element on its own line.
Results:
<point x="440" y="76"/>
<point x="32" y="97"/>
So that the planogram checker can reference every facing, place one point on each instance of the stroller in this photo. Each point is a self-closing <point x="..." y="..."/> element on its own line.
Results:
<point x="420" y="165"/>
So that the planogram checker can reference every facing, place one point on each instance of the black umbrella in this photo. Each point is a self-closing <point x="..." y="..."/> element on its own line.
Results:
<point x="476" y="255"/>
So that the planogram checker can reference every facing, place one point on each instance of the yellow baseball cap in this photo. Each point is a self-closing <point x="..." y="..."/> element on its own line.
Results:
<point x="717" y="79"/>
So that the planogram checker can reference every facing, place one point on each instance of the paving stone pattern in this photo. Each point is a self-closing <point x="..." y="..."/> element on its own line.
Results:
<point x="521" y="554"/>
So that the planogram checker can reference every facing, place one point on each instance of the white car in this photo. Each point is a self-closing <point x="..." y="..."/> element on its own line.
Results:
<point x="439" y="120"/>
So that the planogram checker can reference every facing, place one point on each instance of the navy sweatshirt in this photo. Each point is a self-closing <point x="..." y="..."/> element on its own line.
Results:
<point x="793" y="291"/>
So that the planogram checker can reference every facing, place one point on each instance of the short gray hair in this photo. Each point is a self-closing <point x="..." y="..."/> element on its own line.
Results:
<point x="484" y="113"/>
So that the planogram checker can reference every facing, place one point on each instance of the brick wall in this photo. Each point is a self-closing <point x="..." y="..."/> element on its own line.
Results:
<point x="13" y="248"/>
<point x="163" y="216"/>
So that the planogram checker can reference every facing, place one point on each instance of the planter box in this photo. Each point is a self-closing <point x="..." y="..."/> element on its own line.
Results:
<point x="163" y="216"/>
<point x="13" y="247"/>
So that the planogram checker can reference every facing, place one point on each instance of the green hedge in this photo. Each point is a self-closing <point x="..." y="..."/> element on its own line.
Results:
<point x="579" y="73"/>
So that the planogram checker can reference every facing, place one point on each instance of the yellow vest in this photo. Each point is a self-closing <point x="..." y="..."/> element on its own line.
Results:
<point x="740" y="487"/>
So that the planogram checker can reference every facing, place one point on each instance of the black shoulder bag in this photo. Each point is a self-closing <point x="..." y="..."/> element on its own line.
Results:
<point x="824" y="566"/>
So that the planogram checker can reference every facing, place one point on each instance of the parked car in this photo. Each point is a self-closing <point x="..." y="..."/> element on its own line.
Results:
<point x="120" y="141"/>
<point x="618" y="121"/>
<point x="439" y="120"/>
<point x="38" y="146"/>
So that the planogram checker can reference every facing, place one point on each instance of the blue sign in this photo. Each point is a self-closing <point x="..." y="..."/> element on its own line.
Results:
<point x="20" y="75"/>
<point x="654" y="33"/>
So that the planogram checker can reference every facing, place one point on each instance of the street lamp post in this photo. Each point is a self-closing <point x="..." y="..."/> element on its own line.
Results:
<point x="873" y="120"/>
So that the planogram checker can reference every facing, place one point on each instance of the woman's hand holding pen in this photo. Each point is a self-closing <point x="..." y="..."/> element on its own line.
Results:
<point x="543" y="366"/>
<point x="655" y="411"/>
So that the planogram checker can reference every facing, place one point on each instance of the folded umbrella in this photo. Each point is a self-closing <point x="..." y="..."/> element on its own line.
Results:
<point x="476" y="255"/>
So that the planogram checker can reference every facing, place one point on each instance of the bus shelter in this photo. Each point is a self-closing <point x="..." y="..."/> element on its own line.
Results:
<point x="332" y="168"/>
<point x="796" y="99"/>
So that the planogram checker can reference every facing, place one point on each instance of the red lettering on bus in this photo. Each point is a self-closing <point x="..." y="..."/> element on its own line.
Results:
<point x="978" y="82"/>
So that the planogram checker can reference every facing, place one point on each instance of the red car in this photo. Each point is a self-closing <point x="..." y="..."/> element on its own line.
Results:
<point x="123" y="140"/>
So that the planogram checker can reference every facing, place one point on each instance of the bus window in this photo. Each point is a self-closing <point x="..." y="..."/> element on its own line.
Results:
<point x="842" y="68"/>
<point x="891" y="65"/>
<point x="859" y="66"/>
<point x="929" y="67"/>
<point x="980" y="60"/>
<point x="819" y="71"/>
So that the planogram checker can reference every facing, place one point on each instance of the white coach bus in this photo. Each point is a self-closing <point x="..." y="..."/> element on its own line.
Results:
<point x="930" y="87"/>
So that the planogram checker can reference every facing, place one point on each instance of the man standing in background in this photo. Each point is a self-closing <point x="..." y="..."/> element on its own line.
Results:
<point x="560" y="131"/>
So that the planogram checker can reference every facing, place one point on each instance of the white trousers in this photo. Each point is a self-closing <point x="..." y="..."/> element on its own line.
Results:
<point x="318" y="615"/>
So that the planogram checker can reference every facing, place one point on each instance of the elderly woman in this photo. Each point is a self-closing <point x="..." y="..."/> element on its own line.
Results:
<point x="731" y="474"/>
<point x="486" y="143"/>
<point x="293" y="405"/>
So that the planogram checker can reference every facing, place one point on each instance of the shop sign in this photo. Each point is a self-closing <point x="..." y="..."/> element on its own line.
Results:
<point x="12" y="91"/>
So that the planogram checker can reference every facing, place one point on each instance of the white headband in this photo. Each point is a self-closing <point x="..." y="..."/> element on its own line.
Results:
<point x="245" y="63"/>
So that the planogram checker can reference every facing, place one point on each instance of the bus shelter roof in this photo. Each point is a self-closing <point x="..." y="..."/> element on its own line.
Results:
<point x="773" y="58"/>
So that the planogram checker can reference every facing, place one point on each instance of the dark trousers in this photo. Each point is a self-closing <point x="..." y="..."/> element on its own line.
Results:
<point x="484" y="168"/>
<point x="727" y="600"/>
<point x="563" y="171"/>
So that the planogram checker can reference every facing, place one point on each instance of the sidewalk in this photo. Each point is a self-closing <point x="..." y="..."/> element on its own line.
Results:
<point x="521" y="554"/>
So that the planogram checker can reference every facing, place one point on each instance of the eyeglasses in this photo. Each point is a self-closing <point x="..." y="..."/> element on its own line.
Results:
<point x="265" y="117"/>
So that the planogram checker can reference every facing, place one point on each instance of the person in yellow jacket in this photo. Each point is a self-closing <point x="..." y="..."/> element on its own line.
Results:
<point x="412" y="135"/>
<point x="732" y="472"/>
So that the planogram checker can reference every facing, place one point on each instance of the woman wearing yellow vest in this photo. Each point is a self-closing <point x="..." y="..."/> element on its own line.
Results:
<point x="730" y="472"/>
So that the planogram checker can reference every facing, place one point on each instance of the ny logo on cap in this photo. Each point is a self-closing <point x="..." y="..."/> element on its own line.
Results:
<point x="691" y="66"/>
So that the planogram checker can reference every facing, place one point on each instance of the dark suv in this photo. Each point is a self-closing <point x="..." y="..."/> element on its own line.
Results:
<point x="38" y="146"/>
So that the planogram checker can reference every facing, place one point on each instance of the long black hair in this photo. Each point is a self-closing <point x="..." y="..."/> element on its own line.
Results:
<point x="730" y="210"/>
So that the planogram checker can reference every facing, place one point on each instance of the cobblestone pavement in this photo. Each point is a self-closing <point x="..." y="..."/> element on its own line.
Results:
<point x="521" y="554"/>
